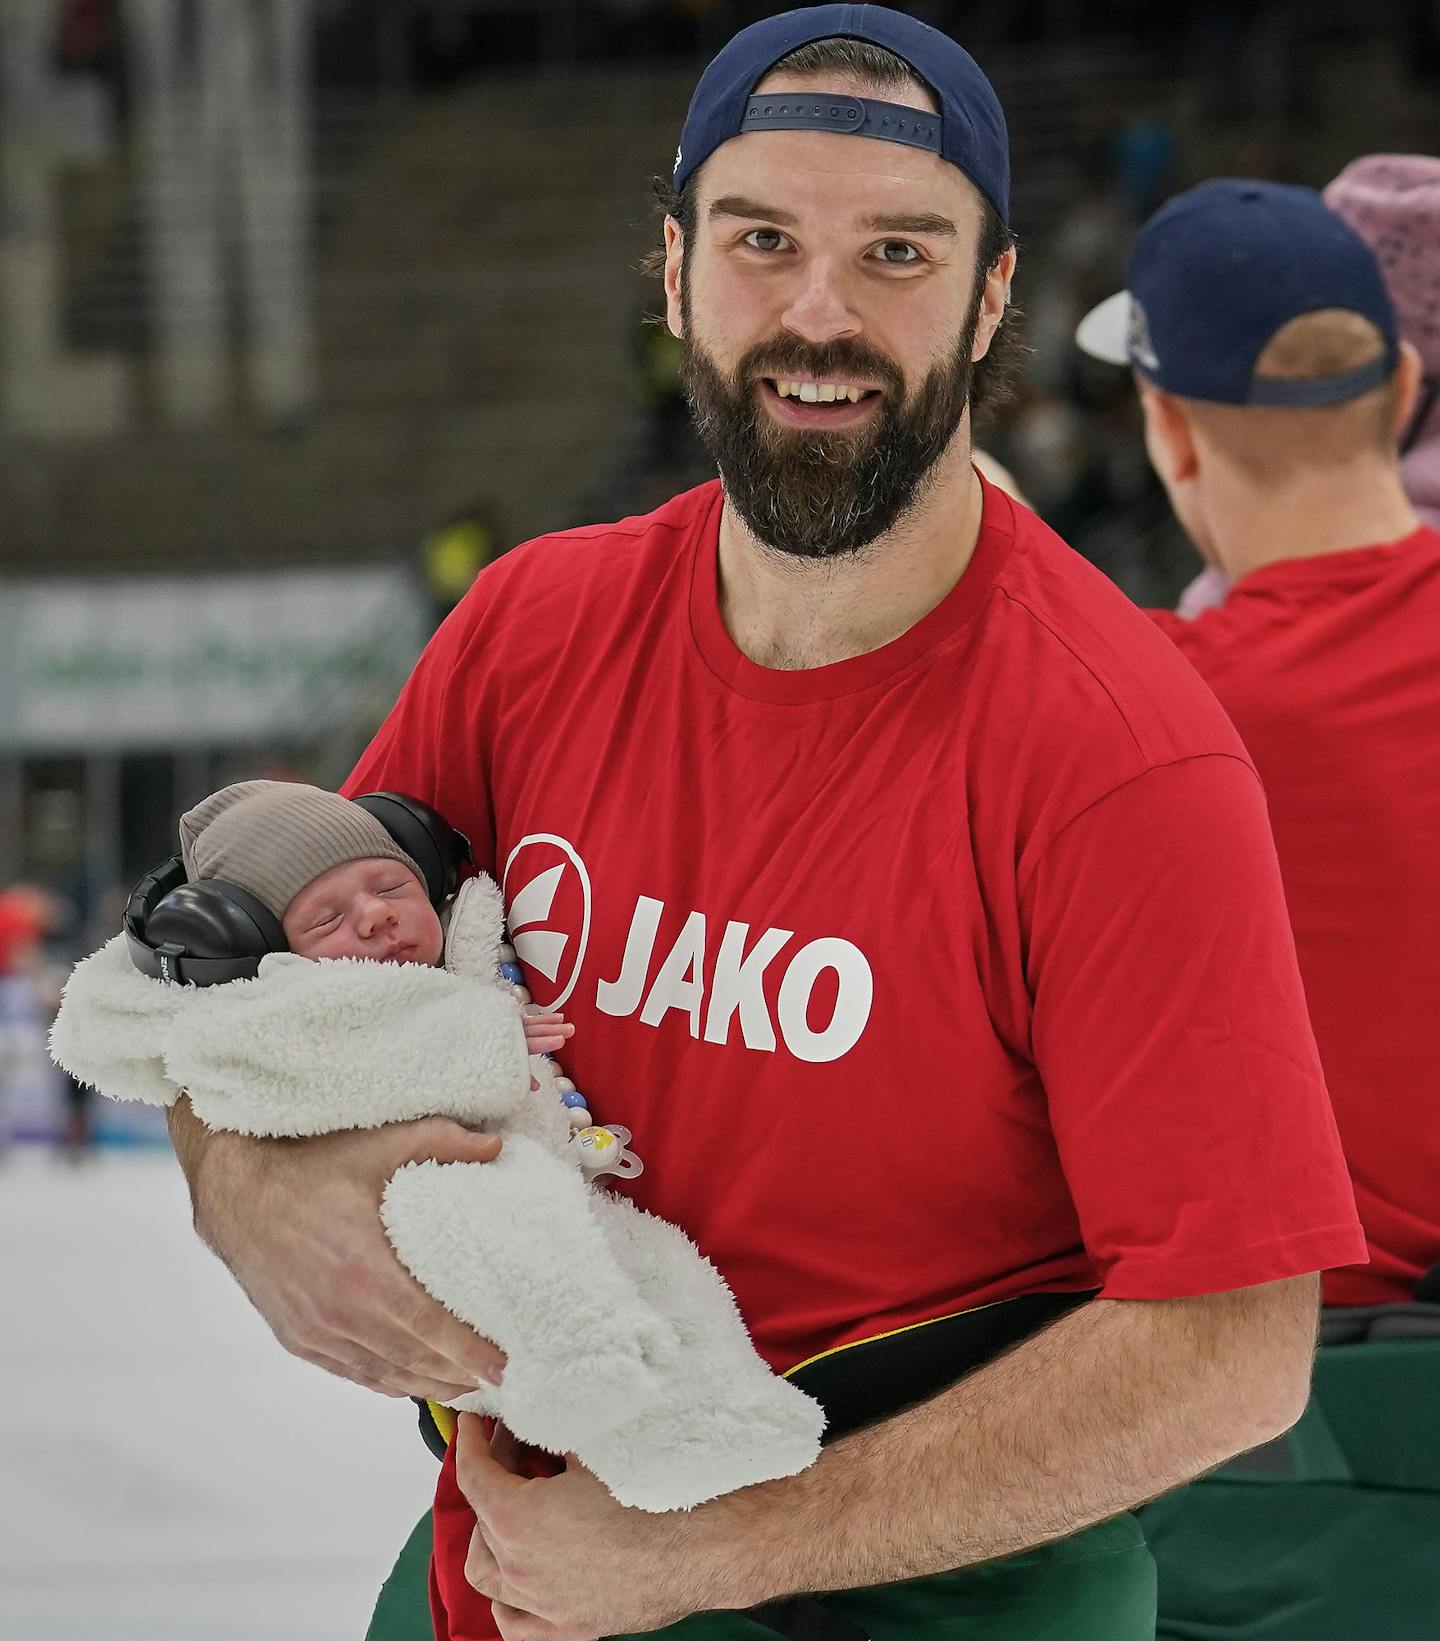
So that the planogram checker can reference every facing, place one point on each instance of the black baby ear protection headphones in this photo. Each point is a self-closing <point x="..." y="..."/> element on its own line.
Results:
<point x="203" y="934"/>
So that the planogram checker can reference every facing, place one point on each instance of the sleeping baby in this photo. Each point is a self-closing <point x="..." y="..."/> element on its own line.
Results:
<point x="624" y="1345"/>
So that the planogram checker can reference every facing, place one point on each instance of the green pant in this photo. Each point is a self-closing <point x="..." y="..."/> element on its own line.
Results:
<point x="402" y="1612"/>
<point x="1097" y="1586"/>
<point x="1332" y="1534"/>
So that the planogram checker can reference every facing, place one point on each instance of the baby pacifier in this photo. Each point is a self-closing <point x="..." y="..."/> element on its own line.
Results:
<point x="602" y="1150"/>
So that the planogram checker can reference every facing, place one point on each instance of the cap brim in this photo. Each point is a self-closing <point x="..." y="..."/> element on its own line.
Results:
<point x="1104" y="332"/>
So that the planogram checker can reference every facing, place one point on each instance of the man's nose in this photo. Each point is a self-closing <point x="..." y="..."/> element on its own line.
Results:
<point x="820" y="311"/>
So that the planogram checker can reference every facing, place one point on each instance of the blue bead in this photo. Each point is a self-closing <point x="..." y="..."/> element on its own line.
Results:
<point x="575" y="1100"/>
<point x="513" y="973"/>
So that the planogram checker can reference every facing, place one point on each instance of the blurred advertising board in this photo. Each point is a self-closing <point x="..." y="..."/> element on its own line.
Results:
<point x="164" y="662"/>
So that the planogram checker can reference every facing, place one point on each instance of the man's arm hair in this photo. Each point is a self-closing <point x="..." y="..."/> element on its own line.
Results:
<point x="1112" y="1405"/>
<point x="188" y="1137"/>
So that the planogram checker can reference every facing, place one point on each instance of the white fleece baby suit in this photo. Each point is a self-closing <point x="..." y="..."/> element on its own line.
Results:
<point x="624" y="1344"/>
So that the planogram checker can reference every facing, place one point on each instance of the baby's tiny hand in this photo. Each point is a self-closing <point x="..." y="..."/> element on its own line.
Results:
<point x="545" y="1033"/>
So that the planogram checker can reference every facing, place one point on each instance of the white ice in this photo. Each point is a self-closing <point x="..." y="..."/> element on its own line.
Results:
<point x="167" y="1472"/>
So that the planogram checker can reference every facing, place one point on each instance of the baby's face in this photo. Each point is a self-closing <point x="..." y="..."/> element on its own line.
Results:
<point x="366" y="908"/>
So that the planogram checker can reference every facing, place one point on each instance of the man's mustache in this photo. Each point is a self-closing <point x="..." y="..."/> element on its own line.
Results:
<point x="788" y="358"/>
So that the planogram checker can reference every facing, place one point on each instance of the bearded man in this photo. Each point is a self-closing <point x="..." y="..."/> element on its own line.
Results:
<point x="915" y="900"/>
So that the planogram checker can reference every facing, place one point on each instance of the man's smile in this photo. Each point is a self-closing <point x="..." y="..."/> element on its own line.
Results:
<point x="806" y="402"/>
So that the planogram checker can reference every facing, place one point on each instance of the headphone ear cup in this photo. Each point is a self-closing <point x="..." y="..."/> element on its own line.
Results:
<point x="200" y="934"/>
<point x="215" y="919"/>
<point x="436" y="847"/>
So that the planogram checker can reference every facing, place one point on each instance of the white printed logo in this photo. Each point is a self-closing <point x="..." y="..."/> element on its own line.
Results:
<point x="737" y="985"/>
<point x="826" y="987"/>
<point x="547" y="891"/>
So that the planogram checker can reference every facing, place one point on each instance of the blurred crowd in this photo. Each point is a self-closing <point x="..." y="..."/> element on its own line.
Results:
<point x="37" y="1100"/>
<point x="437" y="40"/>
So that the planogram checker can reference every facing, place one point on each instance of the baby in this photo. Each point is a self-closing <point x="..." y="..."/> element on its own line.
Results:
<point x="623" y="1344"/>
<point x="367" y="907"/>
<point x="377" y="910"/>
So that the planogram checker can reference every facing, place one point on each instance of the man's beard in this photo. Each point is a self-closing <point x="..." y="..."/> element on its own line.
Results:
<point x="816" y="493"/>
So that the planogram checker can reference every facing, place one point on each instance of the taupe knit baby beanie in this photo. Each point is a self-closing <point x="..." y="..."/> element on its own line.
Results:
<point x="274" y="837"/>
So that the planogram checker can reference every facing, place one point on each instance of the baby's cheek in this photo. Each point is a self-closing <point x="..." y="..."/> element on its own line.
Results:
<point x="431" y="945"/>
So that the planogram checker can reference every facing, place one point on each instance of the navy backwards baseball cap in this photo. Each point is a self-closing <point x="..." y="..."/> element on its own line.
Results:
<point x="1217" y="271"/>
<point x="969" y="130"/>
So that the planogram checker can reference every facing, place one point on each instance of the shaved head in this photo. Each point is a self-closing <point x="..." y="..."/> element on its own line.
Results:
<point x="1272" y="444"/>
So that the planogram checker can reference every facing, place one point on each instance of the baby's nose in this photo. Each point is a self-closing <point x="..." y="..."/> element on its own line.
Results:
<point x="375" y="914"/>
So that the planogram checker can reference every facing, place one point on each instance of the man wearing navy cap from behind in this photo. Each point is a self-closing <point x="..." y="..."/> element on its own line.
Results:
<point x="854" y="820"/>
<point x="1275" y="390"/>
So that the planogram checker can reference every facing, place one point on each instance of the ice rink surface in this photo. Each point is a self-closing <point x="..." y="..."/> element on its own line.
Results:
<point x="167" y="1473"/>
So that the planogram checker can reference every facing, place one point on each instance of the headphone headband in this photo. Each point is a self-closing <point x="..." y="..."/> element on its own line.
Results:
<point x="436" y="847"/>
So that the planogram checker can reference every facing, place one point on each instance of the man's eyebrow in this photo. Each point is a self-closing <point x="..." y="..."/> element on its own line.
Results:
<point x="734" y="205"/>
<point x="924" y="222"/>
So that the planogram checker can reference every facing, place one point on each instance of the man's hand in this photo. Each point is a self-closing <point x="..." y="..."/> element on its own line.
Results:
<point x="561" y="1560"/>
<point x="298" y="1224"/>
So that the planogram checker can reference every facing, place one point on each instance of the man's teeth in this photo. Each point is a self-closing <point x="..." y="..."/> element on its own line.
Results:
<point x="824" y="393"/>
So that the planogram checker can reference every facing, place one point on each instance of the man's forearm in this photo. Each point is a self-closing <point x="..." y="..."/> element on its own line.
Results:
<point x="1112" y="1405"/>
<point x="188" y="1136"/>
<point x="193" y="1142"/>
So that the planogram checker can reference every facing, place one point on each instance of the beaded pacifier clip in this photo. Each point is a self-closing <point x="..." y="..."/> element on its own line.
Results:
<point x="601" y="1148"/>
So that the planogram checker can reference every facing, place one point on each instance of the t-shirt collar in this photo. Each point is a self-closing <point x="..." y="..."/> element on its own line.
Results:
<point x="956" y="611"/>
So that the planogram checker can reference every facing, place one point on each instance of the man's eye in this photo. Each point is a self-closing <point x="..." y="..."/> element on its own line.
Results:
<point x="764" y="239"/>
<point x="897" y="252"/>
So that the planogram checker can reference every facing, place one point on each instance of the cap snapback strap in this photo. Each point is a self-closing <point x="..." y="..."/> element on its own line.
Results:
<point x="835" y="111"/>
<point x="1299" y="393"/>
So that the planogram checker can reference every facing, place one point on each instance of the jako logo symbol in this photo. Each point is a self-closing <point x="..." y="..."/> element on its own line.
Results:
<point x="547" y="892"/>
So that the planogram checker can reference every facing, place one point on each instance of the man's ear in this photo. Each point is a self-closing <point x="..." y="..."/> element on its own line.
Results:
<point x="1408" y="375"/>
<point x="1168" y="435"/>
<point x="993" y="303"/>
<point x="674" y="258"/>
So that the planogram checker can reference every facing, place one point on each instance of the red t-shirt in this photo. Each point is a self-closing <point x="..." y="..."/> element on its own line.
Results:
<point x="1330" y="669"/>
<point x="950" y="972"/>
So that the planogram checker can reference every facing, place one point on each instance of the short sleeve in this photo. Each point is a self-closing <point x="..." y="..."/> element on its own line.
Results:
<point x="1171" y="1036"/>
<point x="434" y="743"/>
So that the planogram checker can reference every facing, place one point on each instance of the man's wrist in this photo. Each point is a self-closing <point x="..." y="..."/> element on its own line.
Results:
<point x="750" y="1547"/>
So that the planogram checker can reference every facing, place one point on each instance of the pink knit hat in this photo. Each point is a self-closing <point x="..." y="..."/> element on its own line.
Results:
<point x="1393" y="202"/>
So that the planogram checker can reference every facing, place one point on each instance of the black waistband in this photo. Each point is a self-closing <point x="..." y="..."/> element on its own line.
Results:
<point x="876" y="1378"/>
